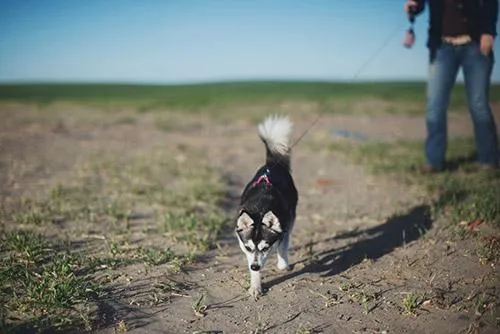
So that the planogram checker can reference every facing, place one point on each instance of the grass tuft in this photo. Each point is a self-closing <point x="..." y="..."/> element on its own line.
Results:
<point x="489" y="249"/>
<point x="199" y="307"/>
<point x="411" y="302"/>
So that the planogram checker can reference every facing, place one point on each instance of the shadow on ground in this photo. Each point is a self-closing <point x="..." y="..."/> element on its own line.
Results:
<point x="374" y="243"/>
<point x="229" y="205"/>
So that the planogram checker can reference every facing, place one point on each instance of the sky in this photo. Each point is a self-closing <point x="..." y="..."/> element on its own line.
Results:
<point x="183" y="41"/>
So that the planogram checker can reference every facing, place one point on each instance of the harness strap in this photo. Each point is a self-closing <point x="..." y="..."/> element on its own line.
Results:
<point x="262" y="178"/>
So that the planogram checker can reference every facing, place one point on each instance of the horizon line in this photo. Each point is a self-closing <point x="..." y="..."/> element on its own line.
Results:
<point x="215" y="81"/>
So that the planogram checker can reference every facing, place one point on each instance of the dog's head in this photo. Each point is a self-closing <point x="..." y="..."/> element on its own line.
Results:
<point x="258" y="238"/>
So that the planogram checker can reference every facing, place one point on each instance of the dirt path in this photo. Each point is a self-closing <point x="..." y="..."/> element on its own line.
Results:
<point x="352" y="249"/>
<point x="359" y="246"/>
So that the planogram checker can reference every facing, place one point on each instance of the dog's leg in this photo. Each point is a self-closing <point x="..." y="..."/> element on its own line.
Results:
<point x="255" y="284"/>
<point x="283" y="253"/>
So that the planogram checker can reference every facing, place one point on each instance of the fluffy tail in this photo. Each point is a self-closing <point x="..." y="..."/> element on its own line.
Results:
<point x="275" y="132"/>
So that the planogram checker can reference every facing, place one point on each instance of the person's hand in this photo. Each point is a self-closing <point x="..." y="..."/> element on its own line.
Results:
<point x="409" y="5"/>
<point x="486" y="44"/>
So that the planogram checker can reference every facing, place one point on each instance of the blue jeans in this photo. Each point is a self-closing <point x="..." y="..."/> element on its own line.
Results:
<point x="443" y="71"/>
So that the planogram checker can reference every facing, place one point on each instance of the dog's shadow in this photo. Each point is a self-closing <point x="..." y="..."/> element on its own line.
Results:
<point x="375" y="242"/>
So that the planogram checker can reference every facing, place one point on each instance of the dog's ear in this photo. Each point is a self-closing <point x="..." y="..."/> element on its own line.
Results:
<point x="244" y="221"/>
<point x="271" y="221"/>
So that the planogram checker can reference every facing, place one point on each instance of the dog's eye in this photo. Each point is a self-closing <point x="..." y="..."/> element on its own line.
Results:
<point x="248" y="249"/>
<point x="265" y="249"/>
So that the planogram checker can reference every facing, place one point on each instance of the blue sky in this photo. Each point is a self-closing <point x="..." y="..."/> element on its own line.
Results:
<point x="172" y="41"/>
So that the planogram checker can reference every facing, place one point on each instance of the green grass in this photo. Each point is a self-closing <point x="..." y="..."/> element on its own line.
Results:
<point x="199" y="307"/>
<point x="304" y="330"/>
<point x="46" y="286"/>
<point x="223" y="95"/>
<point x="411" y="302"/>
<point x="42" y="285"/>
<point x="489" y="249"/>
<point x="463" y="194"/>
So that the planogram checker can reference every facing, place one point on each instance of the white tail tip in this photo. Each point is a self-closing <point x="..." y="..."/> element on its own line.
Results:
<point x="276" y="132"/>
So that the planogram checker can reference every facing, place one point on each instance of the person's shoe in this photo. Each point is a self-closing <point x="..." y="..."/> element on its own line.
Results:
<point x="428" y="169"/>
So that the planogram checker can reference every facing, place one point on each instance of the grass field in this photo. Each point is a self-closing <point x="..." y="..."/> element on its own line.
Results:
<point x="220" y="95"/>
<point x="52" y="285"/>
<point x="114" y="192"/>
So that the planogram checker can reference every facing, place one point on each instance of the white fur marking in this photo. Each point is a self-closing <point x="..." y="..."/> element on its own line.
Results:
<point x="263" y="244"/>
<point x="275" y="131"/>
<point x="250" y="245"/>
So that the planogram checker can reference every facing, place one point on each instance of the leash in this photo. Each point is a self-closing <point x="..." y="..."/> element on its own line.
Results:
<point x="265" y="177"/>
<point x="357" y="73"/>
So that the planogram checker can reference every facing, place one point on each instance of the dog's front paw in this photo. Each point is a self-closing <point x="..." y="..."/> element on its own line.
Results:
<point x="255" y="292"/>
<point x="284" y="266"/>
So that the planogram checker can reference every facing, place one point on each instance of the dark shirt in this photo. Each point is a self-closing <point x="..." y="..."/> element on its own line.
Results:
<point x="481" y="17"/>
<point x="455" y="22"/>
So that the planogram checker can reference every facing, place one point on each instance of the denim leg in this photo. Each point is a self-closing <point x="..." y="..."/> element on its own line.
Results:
<point x="443" y="71"/>
<point x="477" y="70"/>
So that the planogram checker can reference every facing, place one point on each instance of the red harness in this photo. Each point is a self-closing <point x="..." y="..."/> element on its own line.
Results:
<point x="262" y="178"/>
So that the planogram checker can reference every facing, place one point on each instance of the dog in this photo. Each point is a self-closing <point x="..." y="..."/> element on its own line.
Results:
<point x="268" y="203"/>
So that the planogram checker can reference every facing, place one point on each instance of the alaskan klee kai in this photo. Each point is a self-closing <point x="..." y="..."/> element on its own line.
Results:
<point x="268" y="203"/>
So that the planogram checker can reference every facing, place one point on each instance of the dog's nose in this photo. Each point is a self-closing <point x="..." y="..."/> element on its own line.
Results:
<point x="254" y="267"/>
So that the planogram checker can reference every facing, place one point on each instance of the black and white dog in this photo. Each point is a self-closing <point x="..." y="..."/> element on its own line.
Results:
<point x="268" y="203"/>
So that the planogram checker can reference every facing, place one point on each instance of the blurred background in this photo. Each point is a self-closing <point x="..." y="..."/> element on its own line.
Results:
<point x="203" y="41"/>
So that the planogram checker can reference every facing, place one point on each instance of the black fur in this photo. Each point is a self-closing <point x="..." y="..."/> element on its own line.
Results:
<point x="279" y="196"/>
